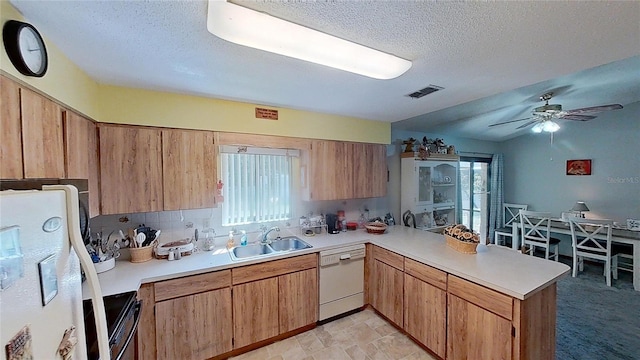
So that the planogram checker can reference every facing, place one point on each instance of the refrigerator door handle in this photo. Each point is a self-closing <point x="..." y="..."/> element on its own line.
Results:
<point x="77" y="242"/>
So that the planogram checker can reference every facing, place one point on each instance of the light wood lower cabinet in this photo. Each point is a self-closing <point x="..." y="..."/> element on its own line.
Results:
<point x="388" y="293"/>
<point x="458" y="319"/>
<point x="476" y="333"/>
<point x="425" y="314"/>
<point x="194" y="327"/>
<point x="298" y="299"/>
<point x="274" y="298"/>
<point x="256" y="311"/>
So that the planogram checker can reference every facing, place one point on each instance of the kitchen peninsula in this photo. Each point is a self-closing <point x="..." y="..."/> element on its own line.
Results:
<point x="447" y="301"/>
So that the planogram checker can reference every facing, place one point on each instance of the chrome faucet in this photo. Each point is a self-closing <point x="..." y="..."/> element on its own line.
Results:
<point x="265" y="240"/>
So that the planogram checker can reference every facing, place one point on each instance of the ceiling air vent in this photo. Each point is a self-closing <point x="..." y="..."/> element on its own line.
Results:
<point x="426" y="91"/>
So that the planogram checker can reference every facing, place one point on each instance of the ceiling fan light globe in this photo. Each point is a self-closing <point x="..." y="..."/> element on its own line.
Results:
<point x="550" y="126"/>
<point x="537" y="128"/>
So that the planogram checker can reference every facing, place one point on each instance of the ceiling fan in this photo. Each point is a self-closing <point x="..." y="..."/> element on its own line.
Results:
<point x="543" y="116"/>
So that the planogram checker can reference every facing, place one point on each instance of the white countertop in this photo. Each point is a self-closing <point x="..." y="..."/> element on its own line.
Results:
<point x="498" y="268"/>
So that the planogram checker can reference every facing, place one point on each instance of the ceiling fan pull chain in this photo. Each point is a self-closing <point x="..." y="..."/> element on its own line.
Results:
<point x="551" y="147"/>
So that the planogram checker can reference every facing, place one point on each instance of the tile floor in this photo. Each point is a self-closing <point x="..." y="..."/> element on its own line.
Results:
<point x="361" y="336"/>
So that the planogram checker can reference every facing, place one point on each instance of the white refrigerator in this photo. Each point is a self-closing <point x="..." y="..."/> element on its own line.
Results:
<point x="41" y="252"/>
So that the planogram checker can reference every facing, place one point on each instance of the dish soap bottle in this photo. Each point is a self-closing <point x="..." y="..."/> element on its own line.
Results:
<point x="230" y="243"/>
<point x="243" y="239"/>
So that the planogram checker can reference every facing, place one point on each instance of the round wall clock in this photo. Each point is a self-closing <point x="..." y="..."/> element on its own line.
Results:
<point x="25" y="48"/>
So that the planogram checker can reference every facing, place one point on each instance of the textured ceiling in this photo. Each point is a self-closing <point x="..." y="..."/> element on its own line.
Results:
<point x="475" y="50"/>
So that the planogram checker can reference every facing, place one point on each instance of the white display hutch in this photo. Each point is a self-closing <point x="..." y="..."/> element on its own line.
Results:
<point x="429" y="189"/>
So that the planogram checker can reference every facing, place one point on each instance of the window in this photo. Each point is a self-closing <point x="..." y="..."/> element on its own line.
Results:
<point x="257" y="185"/>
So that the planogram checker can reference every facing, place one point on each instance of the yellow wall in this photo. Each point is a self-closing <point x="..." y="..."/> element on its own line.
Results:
<point x="142" y="107"/>
<point x="69" y="85"/>
<point x="64" y="81"/>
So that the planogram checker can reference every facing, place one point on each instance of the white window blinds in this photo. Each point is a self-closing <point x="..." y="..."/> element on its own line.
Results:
<point x="257" y="185"/>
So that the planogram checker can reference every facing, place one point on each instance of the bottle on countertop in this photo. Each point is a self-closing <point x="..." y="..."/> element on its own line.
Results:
<point x="231" y="242"/>
<point x="243" y="239"/>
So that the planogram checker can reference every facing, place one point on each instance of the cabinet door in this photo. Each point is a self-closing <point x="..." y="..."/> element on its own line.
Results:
<point x="195" y="326"/>
<point x="10" y="136"/>
<point x="188" y="169"/>
<point x="255" y="309"/>
<point x="130" y="169"/>
<point x="475" y="333"/>
<point x="388" y="292"/>
<point x="81" y="155"/>
<point x="425" y="314"/>
<point x="298" y="299"/>
<point x="330" y="170"/>
<point x="369" y="170"/>
<point x="43" y="144"/>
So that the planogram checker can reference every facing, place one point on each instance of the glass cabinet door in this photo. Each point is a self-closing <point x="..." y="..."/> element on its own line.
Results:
<point x="424" y="185"/>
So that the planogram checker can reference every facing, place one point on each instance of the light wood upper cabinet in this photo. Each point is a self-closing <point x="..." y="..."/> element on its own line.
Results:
<point x="10" y="136"/>
<point x="81" y="155"/>
<point x="194" y="327"/>
<point x="343" y="170"/>
<point x="255" y="309"/>
<point x="130" y="169"/>
<point x="298" y="299"/>
<point x="188" y="169"/>
<point x="369" y="170"/>
<point x="42" y="136"/>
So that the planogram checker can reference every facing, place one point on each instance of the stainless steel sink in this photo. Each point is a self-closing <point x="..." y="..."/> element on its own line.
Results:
<point x="242" y="252"/>
<point x="290" y="243"/>
<point x="280" y="245"/>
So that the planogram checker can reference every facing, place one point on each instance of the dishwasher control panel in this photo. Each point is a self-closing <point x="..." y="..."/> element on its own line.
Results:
<point x="330" y="257"/>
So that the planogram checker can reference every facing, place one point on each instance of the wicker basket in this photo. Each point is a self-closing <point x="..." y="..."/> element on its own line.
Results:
<point x="142" y="254"/>
<point x="461" y="246"/>
<point x="377" y="228"/>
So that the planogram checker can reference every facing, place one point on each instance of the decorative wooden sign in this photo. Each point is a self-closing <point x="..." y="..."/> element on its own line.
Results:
<point x="269" y="114"/>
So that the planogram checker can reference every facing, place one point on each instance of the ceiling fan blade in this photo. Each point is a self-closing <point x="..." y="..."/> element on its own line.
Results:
<point x="593" y="109"/>
<point x="508" y="122"/>
<point x="527" y="124"/>
<point x="577" y="117"/>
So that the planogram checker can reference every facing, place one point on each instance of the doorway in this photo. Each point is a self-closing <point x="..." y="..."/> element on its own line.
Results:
<point x="475" y="180"/>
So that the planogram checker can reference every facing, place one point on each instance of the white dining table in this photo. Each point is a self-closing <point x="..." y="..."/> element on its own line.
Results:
<point x="621" y="236"/>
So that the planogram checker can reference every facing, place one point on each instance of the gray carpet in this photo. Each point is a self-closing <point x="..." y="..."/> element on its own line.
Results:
<point x="597" y="322"/>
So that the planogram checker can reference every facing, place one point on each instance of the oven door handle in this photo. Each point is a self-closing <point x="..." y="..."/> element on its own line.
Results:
<point x="131" y="335"/>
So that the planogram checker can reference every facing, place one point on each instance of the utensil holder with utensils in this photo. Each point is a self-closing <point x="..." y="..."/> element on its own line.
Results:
<point x="142" y="254"/>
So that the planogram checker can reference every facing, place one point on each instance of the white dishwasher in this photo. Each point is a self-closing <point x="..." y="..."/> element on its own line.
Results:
<point x="341" y="280"/>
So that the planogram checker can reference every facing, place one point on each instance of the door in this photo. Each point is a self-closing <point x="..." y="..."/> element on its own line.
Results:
<point x="194" y="326"/>
<point x="474" y="189"/>
<point x="476" y="333"/>
<point x="425" y="310"/>
<point x="10" y="136"/>
<point x="130" y="169"/>
<point x="298" y="299"/>
<point x="255" y="309"/>
<point x="188" y="169"/>
<point x="388" y="292"/>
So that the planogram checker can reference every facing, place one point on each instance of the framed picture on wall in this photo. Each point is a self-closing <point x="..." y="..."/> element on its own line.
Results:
<point x="579" y="167"/>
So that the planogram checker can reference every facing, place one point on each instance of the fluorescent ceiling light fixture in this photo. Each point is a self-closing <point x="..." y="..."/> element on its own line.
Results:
<point x="258" y="30"/>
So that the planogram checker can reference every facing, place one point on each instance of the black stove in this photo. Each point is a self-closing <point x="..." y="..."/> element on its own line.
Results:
<point x="122" y="313"/>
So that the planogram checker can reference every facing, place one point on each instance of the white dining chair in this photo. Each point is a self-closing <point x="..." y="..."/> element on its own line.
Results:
<point x="585" y="245"/>
<point x="510" y="219"/>
<point x="536" y="233"/>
